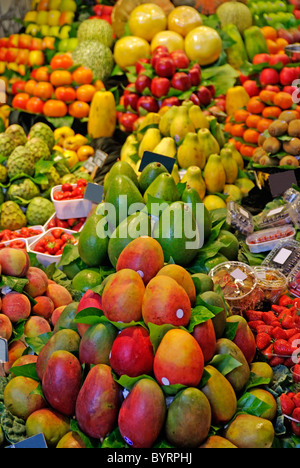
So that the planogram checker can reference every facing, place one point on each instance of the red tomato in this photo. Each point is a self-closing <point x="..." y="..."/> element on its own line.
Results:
<point x="35" y="105"/>
<point x="20" y="101"/>
<point x="61" y="61"/>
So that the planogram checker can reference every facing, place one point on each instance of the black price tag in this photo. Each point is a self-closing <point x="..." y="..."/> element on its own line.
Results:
<point x="149" y="157"/>
<point x="281" y="182"/>
<point x="94" y="193"/>
<point x="3" y="350"/>
<point x="36" y="441"/>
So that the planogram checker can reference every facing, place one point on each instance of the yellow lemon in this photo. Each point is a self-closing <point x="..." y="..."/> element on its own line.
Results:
<point x="213" y="202"/>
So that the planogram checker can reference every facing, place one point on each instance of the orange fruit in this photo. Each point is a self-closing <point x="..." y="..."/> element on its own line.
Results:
<point x="79" y="109"/>
<point x="83" y="75"/>
<point x="253" y="120"/>
<point x="267" y="96"/>
<point x="271" y="112"/>
<point x="241" y="115"/>
<point x="228" y="127"/>
<point x="61" y="78"/>
<point x="29" y="87"/>
<point x="255" y="106"/>
<point x="236" y="143"/>
<point x="63" y="61"/>
<point x="247" y="151"/>
<point x="273" y="47"/>
<point x="65" y="93"/>
<point x="55" y="108"/>
<point x="263" y="125"/>
<point x="99" y="85"/>
<point x="85" y="92"/>
<point x="43" y="90"/>
<point x="237" y="130"/>
<point x="269" y="33"/>
<point x="42" y="74"/>
<point x="283" y="100"/>
<point x="281" y="43"/>
<point x="251" y="136"/>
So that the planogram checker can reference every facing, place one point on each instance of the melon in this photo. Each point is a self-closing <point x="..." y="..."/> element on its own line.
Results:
<point x="236" y="13"/>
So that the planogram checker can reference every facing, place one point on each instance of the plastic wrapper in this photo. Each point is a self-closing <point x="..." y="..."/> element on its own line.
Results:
<point x="240" y="219"/>
<point x="267" y="239"/>
<point x="284" y="257"/>
<point x="271" y="282"/>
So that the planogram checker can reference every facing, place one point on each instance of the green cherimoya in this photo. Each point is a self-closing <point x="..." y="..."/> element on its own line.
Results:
<point x="18" y="134"/>
<point x="12" y="216"/>
<point x="96" y="56"/>
<point x="39" y="211"/>
<point x="53" y="179"/>
<point x="43" y="131"/>
<point x="7" y="145"/>
<point x="20" y="162"/>
<point x="22" y="189"/>
<point x="96" y="30"/>
<point x="38" y="149"/>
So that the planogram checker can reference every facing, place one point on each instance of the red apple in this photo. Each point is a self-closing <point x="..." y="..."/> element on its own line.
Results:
<point x="18" y="87"/>
<point x="290" y="89"/>
<point x="274" y="89"/>
<point x="171" y="101"/>
<point x="13" y="40"/>
<point x="126" y="121"/>
<point x="288" y="76"/>
<point x="142" y="82"/>
<point x="195" y="76"/>
<point x="131" y="100"/>
<point x="160" y="48"/>
<point x="251" y="87"/>
<point x="204" y="96"/>
<point x="221" y="104"/>
<point x="212" y="90"/>
<point x="195" y="100"/>
<point x="12" y="54"/>
<point x="36" y="44"/>
<point x="139" y="65"/>
<point x="165" y="67"/>
<point x="269" y="76"/>
<point x="148" y="104"/>
<point x="180" y="59"/>
<point x="24" y="41"/>
<point x="287" y="35"/>
<point x="130" y="88"/>
<point x="261" y="58"/>
<point x="160" y="87"/>
<point x="157" y="55"/>
<point x="297" y="14"/>
<point x="181" y="81"/>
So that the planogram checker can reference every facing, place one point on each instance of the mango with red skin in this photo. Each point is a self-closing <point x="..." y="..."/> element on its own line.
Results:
<point x="142" y="414"/>
<point x="183" y="278"/>
<point x="36" y="326"/>
<point x="132" y="352"/>
<point x="122" y="297"/>
<point x="98" y="402"/>
<point x="71" y="440"/>
<point x="166" y="302"/>
<point x="178" y="359"/>
<point x="20" y="399"/>
<point x="244" y="337"/>
<point x="204" y="334"/>
<point x="62" y="381"/>
<point x="96" y="343"/>
<point x="89" y="299"/>
<point x="144" y="255"/>
<point x="59" y="295"/>
<point x="50" y="423"/>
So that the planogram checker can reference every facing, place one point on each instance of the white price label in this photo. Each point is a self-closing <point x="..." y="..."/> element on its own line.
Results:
<point x="239" y="275"/>
<point x="276" y="211"/>
<point x="282" y="256"/>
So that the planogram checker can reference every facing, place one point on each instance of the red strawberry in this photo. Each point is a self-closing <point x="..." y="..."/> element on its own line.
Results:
<point x="283" y="348"/>
<point x="285" y="300"/>
<point x="255" y="323"/>
<point x="278" y="309"/>
<point x="268" y="352"/>
<point x="296" y="400"/>
<point x="269" y="317"/>
<point x="292" y="333"/>
<point x="289" y="362"/>
<point x="290" y="394"/>
<point x="296" y="375"/>
<point x="295" y="424"/>
<point x="287" y="404"/>
<point x="252" y="315"/>
<point x="278" y="333"/>
<point x="276" y="361"/>
<point x="262" y="340"/>
<point x="264" y="328"/>
<point x="288" y="322"/>
<point x="283" y="314"/>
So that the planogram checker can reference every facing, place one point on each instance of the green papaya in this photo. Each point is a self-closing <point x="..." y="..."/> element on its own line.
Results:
<point x="236" y="54"/>
<point x="255" y="42"/>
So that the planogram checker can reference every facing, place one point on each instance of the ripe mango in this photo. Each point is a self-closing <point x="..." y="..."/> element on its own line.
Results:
<point x="183" y="278"/>
<point x="189" y="419"/>
<point x="20" y="399"/>
<point x="178" y="359"/>
<point x="142" y="414"/>
<point x="50" y="423"/>
<point x="98" y="402"/>
<point x="247" y="431"/>
<point x="221" y="396"/>
<point x="239" y="376"/>
<point x="217" y="442"/>
<point x="96" y="343"/>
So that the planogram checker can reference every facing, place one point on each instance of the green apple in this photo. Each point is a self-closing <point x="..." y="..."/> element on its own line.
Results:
<point x="63" y="45"/>
<point x="65" y="32"/>
<point x="42" y="17"/>
<point x="54" y="31"/>
<point x="68" y="5"/>
<point x="73" y="43"/>
<point x="54" y="4"/>
<point x="53" y="17"/>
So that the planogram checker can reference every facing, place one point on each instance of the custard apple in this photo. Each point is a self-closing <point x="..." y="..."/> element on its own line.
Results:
<point x="38" y="149"/>
<point x="53" y="179"/>
<point x="11" y="216"/>
<point x="7" y="145"/>
<point x="20" y="162"/>
<point x="43" y="131"/>
<point x="22" y="189"/>
<point x="3" y="174"/>
<point x="39" y="211"/>
<point x="18" y="134"/>
<point x="68" y="179"/>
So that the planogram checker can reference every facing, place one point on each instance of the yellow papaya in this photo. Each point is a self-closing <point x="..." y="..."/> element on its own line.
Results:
<point x="102" y="116"/>
<point x="236" y="98"/>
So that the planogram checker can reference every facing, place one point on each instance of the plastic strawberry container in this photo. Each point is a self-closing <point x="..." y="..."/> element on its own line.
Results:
<point x="9" y="243"/>
<point x="46" y="259"/>
<point x="66" y="209"/>
<point x="271" y="282"/>
<point x="54" y="216"/>
<point x="267" y="239"/>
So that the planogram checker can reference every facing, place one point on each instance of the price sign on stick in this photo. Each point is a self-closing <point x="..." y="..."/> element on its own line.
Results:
<point x="3" y="350"/>
<point x="281" y="182"/>
<point x="94" y="193"/>
<point x="36" y="441"/>
<point x="149" y="157"/>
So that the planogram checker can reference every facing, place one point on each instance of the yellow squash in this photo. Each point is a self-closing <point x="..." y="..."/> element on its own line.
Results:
<point x="102" y="117"/>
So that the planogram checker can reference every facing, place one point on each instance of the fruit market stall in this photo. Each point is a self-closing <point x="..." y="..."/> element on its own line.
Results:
<point x="150" y="225"/>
